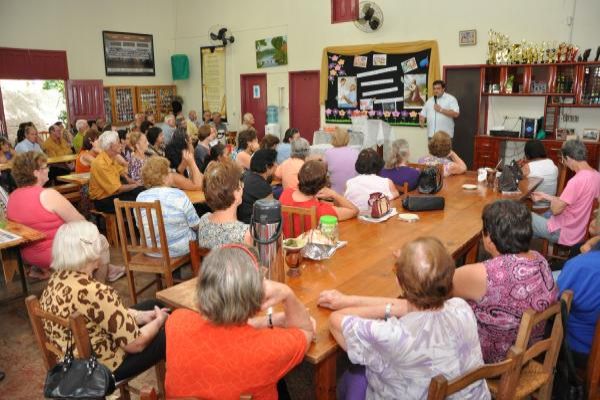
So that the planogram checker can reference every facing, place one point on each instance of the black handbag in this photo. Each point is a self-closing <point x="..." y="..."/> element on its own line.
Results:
<point x="567" y="385"/>
<point x="509" y="180"/>
<point x="78" y="378"/>
<point x="430" y="180"/>
<point x="423" y="203"/>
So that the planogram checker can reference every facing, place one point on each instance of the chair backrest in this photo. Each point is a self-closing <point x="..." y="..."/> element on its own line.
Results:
<point x="197" y="254"/>
<point x="43" y="136"/>
<point x="292" y="214"/>
<point x="562" y="178"/>
<point x="134" y="241"/>
<point x="50" y="352"/>
<point x="593" y="366"/>
<point x="508" y="371"/>
<point x="421" y="167"/>
<point x="150" y="394"/>
<point x="551" y="345"/>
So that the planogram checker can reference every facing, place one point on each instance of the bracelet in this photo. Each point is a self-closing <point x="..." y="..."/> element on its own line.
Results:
<point x="270" y="319"/>
<point x="388" y="311"/>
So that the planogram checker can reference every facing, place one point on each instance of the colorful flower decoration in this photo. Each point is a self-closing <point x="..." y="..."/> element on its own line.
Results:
<point x="336" y="67"/>
<point x="386" y="114"/>
<point x="379" y="113"/>
<point x="413" y="114"/>
<point x="341" y="62"/>
<point x="404" y="113"/>
<point x="328" y="112"/>
<point x="371" y="113"/>
<point x="335" y="58"/>
<point x="395" y="113"/>
<point x="341" y="113"/>
<point x="335" y="111"/>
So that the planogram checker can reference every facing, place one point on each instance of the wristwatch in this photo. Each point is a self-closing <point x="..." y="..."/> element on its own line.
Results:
<point x="388" y="311"/>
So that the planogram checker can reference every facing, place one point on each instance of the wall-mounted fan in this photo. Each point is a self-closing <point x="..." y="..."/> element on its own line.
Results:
<point x="218" y="36"/>
<point x="370" y="17"/>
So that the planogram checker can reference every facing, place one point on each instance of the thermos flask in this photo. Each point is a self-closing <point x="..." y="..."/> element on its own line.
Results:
<point x="266" y="228"/>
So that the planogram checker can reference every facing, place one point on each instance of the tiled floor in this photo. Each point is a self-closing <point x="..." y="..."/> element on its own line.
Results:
<point x="21" y="360"/>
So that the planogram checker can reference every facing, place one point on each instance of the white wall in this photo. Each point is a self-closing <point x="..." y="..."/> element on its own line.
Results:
<point x="307" y="25"/>
<point x="76" y="26"/>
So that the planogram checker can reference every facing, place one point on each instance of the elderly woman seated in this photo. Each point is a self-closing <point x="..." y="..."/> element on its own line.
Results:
<point x="312" y="188"/>
<point x="516" y="279"/>
<point x="126" y="340"/>
<point x="440" y="152"/>
<point x="358" y="189"/>
<point x="340" y="160"/>
<point x="45" y="210"/>
<point x="570" y="212"/>
<point x="287" y="172"/>
<point x="582" y="275"/>
<point x="396" y="169"/>
<point x="223" y="191"/>
<point x="225" y="346"/>
<point x="403" y="343"/>
<point x="179" y="216"/>
<point x="106" y="174"/>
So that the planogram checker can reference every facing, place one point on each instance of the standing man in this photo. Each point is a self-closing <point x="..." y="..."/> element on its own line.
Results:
<point x="439" y="111"/>
<point x="220" y="127"/>
<point x="192" y="126"/>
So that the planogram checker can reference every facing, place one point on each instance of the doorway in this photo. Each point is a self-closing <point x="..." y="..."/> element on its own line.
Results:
<point x="253" y="91"/>
<point x="304" y="102"/>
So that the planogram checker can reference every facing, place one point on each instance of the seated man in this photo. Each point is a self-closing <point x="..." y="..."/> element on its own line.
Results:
<point x="30" y="143"/>
<point x="569" y="214"/>
<point x="56" y="146"/>
<point x="106" y="174"/>
<point x="256" y="182"/>
<point x="82" y="127"/>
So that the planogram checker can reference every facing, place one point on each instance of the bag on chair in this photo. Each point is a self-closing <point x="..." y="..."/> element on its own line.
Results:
<point x="509" y="180"/>
<point x="74" y="378"/>
<point x="430" y="180"/>
<point x="379" y="203"/>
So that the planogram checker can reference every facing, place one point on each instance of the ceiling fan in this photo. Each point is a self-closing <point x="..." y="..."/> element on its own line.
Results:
<point x="370" y="17"/>
<point x="218" y="36"/>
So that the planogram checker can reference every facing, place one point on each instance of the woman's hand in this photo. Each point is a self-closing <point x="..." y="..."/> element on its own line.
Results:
<point x="333" y="299"/>
<point x="188" y="156"/>
<point x="537" y="196"/>
<point x="274" y="293"/>
<point x="326" y="193"/>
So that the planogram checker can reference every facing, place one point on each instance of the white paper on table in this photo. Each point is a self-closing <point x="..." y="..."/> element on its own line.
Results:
<point x="390" y="214"/>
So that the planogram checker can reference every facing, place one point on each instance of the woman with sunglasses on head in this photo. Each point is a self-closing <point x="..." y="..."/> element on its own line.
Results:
<point x="45" y="210"/>
<point x="234" y="348"/>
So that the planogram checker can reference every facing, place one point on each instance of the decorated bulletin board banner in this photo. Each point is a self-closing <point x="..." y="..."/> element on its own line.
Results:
<point x="384" y="81"/>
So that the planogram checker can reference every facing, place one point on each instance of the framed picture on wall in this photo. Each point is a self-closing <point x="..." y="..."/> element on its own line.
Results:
<point x="128" y="54"/>
<point x="467" y="38"/>
<point x="590" y="135"/>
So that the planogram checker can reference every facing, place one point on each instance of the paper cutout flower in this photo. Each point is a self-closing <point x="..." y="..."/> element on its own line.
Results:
<point x="342" y="113"/>
<point x="333" y="72"/>
<point x="386" y="114"/>
<point x="335" y="58"/>
<point x="342" y="62"/>
<point x="413" y="114"/>
<point x="404" y="113"/>
<point x="338" y="67"/>
<point x="395" y="114"/>
<point x="371" y="113"/>
<point x="328" y="112"/>
<point x="335" y="111"/>
<point x="379" y="113"/>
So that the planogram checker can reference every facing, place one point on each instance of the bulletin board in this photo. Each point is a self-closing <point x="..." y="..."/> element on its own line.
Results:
<point x="390" y="81"/>
<point x="212" y="60"/>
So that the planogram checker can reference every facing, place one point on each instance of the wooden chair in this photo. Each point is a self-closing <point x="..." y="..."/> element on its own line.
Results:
<point x="197" y="254"/>
<point x="81" y="339"/>
<point x="592" y="376"/>
<point x="421" y="167"/>
<point x="538" y="376"/>
<point x="43" y="136"/>
<point x="291" y="214"/>
<point x="508" y="370"/>
<point x="135" y="247"/>
<point x="150" y="394"/>
<point x="110" y="221"/>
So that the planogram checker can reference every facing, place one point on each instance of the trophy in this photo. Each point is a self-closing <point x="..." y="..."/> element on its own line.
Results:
<point x="562" y="52"/>
<point x="586" y="54"/>
<point x="597" y="54"/>
<point x="573" y="52"/>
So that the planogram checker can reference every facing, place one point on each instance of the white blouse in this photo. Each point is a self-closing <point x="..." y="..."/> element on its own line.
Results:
<point x="359" y="188"/>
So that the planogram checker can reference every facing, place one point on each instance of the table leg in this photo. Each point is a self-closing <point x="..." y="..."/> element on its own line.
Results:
<point x="22" y="272"/>
<point x="325" y="378"/>
<point x="471" y="256"/>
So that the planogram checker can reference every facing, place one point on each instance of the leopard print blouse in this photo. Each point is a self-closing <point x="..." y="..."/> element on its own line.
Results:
<point x="109" y="324"/>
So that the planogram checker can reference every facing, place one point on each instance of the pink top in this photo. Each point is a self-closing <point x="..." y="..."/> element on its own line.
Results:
<point x="288" y="172"/>
<point x="579" y="194"/>
<point x="24" y="207"/>
<point x="514" y="285"/>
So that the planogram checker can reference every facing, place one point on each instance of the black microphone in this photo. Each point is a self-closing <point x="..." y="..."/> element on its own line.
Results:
<point x="435" y="99"/>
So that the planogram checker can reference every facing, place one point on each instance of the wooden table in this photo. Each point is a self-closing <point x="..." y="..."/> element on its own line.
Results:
<point x="364" y="266"/>
<point x="27" y="235"/>
<point x="195" y="196"/>
<point x="51" y="160"/>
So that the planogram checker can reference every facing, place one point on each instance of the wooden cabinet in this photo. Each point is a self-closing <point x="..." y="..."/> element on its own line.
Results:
<point x="156" y="99"/>
<point x="487" y="150"/>
<point x="120" y="104"/>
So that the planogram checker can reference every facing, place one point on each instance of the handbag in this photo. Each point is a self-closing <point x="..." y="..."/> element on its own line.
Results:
<point x="509" y="180"/>
<point x="430" y="180"/>
<point x="423" y="203"/>
<point x="74" y="378"/>
<point x="379" y="203"/>
<point x="567" y="385"/>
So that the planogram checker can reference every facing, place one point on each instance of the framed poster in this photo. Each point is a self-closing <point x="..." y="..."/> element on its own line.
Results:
<point x="128" y="54"/>
<point x="212" y="59"/>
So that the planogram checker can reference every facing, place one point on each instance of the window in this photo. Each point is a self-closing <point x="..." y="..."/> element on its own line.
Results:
<point x="344" y="11"/>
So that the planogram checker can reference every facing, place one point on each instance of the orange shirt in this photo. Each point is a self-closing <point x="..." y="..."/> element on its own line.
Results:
<point x="80" y="167"/>
<point x="288" y="172"/>
<point x="223" y="362"/>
